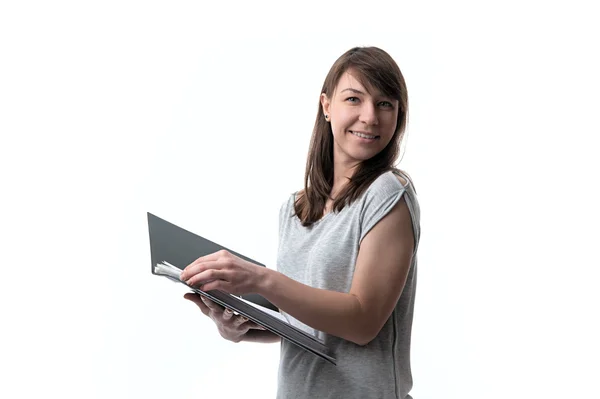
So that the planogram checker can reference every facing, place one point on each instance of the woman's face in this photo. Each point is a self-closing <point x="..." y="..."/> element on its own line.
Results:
<point x="363" y="121"/>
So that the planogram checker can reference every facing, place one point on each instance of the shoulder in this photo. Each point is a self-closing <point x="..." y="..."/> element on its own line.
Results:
<point x="288" y="204"/>
<point x="384" y="196"/>
<point x="387" y="189"/>
<point x="387" y="184"/>
<point x="400" y="176"/>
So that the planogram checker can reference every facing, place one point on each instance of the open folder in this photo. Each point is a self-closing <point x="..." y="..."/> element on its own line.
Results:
<point x="173" y="248"/>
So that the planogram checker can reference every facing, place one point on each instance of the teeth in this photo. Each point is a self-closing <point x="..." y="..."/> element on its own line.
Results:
<point x="364" y="136"/>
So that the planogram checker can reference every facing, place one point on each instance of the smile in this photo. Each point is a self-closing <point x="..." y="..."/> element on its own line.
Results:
<point x="364" y="135"/>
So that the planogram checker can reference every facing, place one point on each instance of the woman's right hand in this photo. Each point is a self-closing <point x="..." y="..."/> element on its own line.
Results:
<point x="231" y="327"/>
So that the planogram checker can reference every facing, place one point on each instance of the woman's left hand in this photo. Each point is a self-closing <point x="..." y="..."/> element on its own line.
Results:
<point x="223" y="271"/>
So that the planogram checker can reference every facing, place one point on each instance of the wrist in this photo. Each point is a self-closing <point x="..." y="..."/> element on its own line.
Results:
<point x="264" y="280"/>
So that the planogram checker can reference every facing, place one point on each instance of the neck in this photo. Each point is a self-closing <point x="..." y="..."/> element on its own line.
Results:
<point x="342" y="171"/>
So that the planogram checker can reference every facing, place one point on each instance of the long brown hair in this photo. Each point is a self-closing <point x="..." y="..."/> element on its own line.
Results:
<point x="376" y="68"/>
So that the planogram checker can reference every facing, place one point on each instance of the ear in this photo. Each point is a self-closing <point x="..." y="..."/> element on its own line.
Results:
<point x="325" y="104"/>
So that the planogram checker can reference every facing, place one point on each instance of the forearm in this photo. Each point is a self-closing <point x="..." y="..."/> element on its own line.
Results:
<point x="335" y="313"/>
<point x="262" y="336"/>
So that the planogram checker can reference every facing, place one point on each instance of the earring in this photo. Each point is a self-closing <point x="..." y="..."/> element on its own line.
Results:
<point x="327" y="117"/>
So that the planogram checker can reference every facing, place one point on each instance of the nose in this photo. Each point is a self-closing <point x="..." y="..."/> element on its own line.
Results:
<point x="368" y="114"/>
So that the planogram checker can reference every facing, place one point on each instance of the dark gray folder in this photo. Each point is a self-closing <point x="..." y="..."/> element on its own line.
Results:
<point x="179" y="247"/>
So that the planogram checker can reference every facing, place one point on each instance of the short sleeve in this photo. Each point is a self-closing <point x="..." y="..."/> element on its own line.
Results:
<point x="282" y="210"/>
<point x="285" y="212"/>
<point x="378" y="201"/>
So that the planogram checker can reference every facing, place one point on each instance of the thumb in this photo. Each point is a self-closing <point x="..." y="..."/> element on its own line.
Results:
<point x="190" y="296"/>
<point x="198" y="301"/>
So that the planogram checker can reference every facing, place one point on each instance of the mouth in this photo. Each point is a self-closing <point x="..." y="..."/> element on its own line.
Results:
<point x="364" y="135"/>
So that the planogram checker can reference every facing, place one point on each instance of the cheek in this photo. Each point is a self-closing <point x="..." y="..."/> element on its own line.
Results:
<point x="337" y="127"/>
<point x="392" y="121"/>
<point x="339" y="133"/>
<point x="389" y="126"/>
<point x="341" y="125"/>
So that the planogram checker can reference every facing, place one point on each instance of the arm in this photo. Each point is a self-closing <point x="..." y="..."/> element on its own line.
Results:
<point x="381" y="269"/>
<point x="382" y="266"/>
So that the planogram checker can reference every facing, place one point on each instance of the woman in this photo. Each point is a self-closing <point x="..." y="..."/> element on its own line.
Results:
<point x="346" y="265"/>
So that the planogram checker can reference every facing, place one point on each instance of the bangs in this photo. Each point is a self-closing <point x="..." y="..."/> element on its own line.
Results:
<point x="378" y="79"/>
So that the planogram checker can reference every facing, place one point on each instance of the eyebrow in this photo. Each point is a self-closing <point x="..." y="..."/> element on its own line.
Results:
<point x="360" y="92"/>
<point x="352" y="90"/>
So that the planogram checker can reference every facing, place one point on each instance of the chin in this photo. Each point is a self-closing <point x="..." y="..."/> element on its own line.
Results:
<point x="363" y="155"/>
<point x="356" y="153"/>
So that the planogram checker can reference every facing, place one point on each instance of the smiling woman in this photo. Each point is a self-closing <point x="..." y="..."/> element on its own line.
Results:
<point x="370" y="119"/>
<point x="346" y="265"/>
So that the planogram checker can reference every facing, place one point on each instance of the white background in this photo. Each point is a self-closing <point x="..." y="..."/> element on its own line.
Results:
<point x="202" y="115"/>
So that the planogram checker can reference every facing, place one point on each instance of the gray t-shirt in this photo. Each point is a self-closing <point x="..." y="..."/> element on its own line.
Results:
<point x="324" y="256"/>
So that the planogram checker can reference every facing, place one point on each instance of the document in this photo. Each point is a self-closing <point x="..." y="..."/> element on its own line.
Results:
<point x="173" y="248"/>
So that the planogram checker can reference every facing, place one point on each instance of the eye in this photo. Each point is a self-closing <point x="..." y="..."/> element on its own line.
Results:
<point x="352" y="99"/>
<point x="386" y="104"/>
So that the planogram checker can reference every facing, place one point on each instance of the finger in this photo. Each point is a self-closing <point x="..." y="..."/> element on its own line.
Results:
<point x="211" y="305"/>
<point x="196" y="268"/>
<point x="253" y="326"/>
<point x="206" y="277"/>
<point x="197" y="299"/>
<point x="239" y="320"/>
<point x="205" y="258"/>
<point x="221" y="285"/>
<point x="228" y="314"/>
<point x="210" y="257"/>
<point x="199" y="268"/>
<point x="242" y="320"/>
